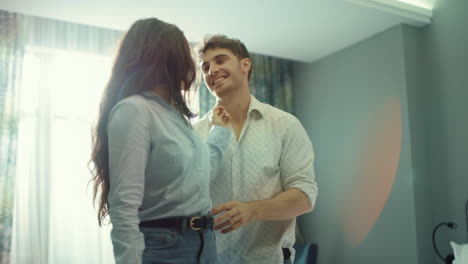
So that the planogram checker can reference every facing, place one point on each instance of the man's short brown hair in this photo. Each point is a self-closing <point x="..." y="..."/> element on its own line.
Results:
<point x="221" y="41"/>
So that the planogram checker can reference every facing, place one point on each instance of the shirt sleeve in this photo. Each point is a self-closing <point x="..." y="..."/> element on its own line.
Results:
<point x="218" y="139"/>
<point x="297" y="161"/>
<point x="129" y="144"/>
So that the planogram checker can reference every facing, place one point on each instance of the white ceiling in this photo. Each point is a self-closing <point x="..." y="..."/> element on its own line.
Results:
<point x="302" y="30"/>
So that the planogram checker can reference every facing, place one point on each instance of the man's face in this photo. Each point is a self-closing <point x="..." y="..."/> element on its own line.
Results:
<point x="222" y="70"/>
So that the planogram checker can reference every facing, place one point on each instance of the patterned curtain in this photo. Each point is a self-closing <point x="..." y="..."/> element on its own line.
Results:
<point x="11" y="56"/>
<point x="65" y="70"/>
<point x="67" y="36"/>
<point x="271" y="83"/>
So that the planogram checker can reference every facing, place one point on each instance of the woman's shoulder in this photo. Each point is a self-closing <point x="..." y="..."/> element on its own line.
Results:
<point x="131" y="105"/>
<point x="136" y="100"/>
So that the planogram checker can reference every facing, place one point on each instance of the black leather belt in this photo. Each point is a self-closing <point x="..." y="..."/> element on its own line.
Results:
<point x="181" y="222"/>
<point x="286" y="254"/>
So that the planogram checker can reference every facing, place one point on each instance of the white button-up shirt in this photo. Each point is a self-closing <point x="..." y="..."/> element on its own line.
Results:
<point x="273" y="154"/>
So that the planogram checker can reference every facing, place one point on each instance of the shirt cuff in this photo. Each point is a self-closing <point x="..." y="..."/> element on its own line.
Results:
<point x="310" y="193"/>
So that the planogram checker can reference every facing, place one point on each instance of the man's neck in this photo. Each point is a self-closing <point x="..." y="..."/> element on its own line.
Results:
<point x="237" y="105"/>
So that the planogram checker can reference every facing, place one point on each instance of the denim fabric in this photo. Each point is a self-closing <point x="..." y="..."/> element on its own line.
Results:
<point x="173" y="246"/>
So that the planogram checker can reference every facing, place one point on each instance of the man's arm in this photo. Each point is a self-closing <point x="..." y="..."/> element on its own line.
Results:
<point x="285" y="205"/>
<point x="297" y="175"/>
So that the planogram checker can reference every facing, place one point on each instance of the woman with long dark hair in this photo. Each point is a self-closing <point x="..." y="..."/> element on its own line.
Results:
<point x="150" y="171"/>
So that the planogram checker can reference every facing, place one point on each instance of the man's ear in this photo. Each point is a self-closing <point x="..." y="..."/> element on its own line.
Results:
<point x="246" y="64"/>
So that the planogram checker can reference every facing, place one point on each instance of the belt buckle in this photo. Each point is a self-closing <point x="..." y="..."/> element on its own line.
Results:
<point x="192" y="224"/>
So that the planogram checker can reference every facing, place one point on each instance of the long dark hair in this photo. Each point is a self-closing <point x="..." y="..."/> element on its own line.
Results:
<point x="151" y="53"/>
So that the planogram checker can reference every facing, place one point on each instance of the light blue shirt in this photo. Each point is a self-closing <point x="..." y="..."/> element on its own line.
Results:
<point x="158" y="168"/>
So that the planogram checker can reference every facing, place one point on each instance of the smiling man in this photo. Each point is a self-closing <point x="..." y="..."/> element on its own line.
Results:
<point x="267" y="177"/>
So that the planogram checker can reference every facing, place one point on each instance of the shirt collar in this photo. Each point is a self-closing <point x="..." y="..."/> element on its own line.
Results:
<point x="256" y="109"/>
<point x="157" y="98"/>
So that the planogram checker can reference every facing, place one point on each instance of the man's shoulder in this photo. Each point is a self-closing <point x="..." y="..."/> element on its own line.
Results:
<point x="274" y="114"/>
<point x="202" y="121"/>
<point x="202" y="126"/>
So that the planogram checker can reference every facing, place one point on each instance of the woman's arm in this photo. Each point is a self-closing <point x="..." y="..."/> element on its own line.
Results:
<point x="129" y="144"/>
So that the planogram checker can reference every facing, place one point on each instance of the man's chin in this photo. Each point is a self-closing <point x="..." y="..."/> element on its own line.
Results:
<point x="220" y="92"/>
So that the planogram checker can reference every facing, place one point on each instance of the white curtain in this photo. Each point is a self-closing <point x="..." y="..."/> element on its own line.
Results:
<point x="64" y="73"/>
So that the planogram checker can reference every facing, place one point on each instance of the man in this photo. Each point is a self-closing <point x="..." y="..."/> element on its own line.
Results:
<point x="267" y="178"/>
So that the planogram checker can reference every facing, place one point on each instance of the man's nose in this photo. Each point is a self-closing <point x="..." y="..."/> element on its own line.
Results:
<point x="213" y="70"/>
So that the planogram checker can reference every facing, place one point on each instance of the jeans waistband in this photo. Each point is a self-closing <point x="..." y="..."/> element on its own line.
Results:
<point x="194" y="223"/>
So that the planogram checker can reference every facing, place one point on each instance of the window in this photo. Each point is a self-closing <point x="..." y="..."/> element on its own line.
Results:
<point x="60" y="94"/>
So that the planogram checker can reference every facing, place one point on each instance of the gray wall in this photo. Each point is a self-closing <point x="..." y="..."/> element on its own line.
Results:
<point x="413" y="55"/>
<point x="348" y="102"/>
<point x="339" y="101"/>
<point x="446" y="92"/>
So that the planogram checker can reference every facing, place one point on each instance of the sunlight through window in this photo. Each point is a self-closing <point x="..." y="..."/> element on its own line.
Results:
<point x="59" y="103"/>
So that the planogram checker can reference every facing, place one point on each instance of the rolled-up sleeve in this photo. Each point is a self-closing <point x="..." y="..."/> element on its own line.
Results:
<point x="129" y="144"/>
<point x="297" y="161"/>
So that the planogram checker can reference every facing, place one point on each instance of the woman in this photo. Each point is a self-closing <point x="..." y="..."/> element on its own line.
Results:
<point x="151" y="172"/>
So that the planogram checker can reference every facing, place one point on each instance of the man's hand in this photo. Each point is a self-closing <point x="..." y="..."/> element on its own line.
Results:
<point x="220" y="116"/>
<point x="236" y="214"/>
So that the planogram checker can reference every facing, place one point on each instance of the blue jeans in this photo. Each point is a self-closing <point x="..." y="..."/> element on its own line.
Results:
<point x="173" y="246"/>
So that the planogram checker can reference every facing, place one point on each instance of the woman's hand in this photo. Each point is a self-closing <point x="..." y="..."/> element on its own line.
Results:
<point x="220" y="116"/>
